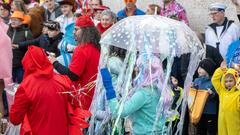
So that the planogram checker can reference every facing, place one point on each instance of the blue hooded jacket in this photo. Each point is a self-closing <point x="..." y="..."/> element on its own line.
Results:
<point x="232" y="51"/>
<point x="204" y="83"/>
<point x="67" y="41"/>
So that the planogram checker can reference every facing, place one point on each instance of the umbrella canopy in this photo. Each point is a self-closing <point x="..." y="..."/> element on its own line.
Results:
<point x="154" y="34"/>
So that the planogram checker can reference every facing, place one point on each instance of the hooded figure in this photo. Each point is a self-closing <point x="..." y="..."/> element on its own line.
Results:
<point x="38" y="103"/>
<point x="67" y="45"/>
<point x="5" y="54"/>
<point x="229" y="108"/>
<point x="6" y="62"/>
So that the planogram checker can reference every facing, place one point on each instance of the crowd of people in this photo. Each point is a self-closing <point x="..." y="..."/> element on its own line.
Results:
<point x="51" y="48"/>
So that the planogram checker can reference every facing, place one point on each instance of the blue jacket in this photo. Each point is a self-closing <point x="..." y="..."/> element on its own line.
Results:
<point x="204" y="83"/>
<point x="122" y="13"/>
<point x="231" y="51"/>
<point x="67" y="45"/>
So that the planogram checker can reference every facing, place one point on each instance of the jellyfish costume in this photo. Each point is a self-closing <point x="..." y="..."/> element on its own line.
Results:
<point x="148" y="40"/>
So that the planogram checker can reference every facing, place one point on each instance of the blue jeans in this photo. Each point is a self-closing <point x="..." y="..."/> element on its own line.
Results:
<point x="17" y="75"/>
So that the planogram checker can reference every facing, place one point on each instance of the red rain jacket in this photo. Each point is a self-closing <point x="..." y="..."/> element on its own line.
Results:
<point x="38" y="97"/>
<point x="85" y="64"/>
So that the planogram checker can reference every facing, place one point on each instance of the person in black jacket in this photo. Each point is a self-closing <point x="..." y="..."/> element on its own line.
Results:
<point x="49" y="40"/>
<point x="18" y="33"/>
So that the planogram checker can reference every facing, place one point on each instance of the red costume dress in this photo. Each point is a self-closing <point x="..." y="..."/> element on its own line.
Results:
<point x="85" y="65"/>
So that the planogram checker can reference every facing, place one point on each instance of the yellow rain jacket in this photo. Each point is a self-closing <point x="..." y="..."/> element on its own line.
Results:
<point x="229" y="108"/>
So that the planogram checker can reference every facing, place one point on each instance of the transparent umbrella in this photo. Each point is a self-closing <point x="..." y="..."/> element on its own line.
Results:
<point x="145" y="37"/>
<point x="155" y="34"/>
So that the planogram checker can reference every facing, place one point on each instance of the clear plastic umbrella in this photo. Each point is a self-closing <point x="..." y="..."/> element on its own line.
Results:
<point x="155" y="34"/>
<point x="144" y="37"/>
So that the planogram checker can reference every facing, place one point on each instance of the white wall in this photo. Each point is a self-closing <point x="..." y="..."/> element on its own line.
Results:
<point x="197" y="10"/>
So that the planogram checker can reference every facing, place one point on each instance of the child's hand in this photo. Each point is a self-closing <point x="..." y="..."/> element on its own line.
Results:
<point x="174" y="81"/>
<point x="210" y="91"/>
<point x="223" y="66"/>
<point x="238" y="84"/>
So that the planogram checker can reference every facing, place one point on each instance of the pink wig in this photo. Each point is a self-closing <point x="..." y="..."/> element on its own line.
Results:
<point x="150" y="71"/>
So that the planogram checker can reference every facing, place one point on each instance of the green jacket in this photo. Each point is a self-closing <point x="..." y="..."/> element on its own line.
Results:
<point x="141" y="108"/>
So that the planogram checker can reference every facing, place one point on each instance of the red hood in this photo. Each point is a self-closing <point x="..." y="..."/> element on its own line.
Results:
<point x="35" y="62"/>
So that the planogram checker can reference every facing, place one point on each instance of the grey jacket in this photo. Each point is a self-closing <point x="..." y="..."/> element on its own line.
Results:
<point x="52" y="16"/>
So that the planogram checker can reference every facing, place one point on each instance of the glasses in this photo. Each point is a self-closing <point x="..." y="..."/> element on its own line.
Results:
<point x="49" y="29"/>
<point x="76" y="29"/>
<point x="213" y="14"/>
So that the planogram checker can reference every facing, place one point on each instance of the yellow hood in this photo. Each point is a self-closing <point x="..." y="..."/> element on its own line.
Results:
<point x="235" y="75"/>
